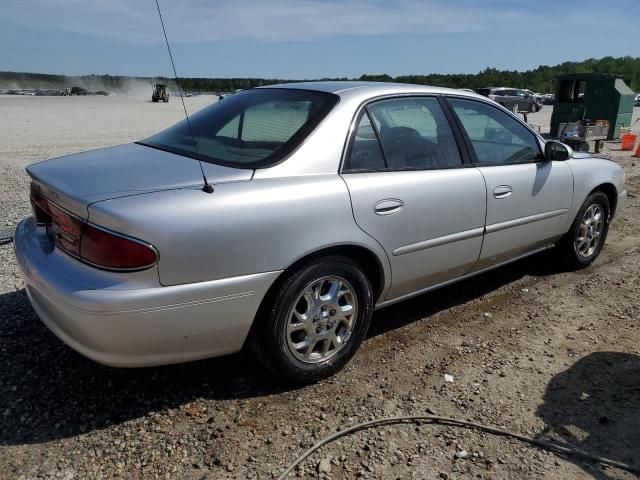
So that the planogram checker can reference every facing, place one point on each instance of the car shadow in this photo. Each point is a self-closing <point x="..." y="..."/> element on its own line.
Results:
<point x="416" y="308"/>
<point x="48" y="391"/>
<point x="594" y="406"/>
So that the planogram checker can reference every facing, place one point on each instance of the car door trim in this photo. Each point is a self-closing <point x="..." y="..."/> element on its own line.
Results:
<point x="438" y="241"/>
<point x="497" y="227"/>
<point x="463" y="146"/>
<point x="406" y="296"/>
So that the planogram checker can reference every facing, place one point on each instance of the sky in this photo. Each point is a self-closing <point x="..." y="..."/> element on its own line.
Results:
<point x="304" y="39"/>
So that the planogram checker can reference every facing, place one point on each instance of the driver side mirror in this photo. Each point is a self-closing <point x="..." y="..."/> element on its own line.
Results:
<point x="554" y="150"/>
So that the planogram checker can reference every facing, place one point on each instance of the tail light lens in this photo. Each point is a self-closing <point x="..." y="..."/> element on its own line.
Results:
<point x="93" y="245"/>
<point x="40" y="207"/>
<point x="114" y="252"/>
<point x="66" y="230"/>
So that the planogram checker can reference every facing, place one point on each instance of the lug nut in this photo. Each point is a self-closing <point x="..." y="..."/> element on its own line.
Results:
<point x="332" y="312"/>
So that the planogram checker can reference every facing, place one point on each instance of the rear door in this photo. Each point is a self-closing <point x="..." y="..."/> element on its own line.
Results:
<point x="528" y="199"/>
<point x="411" y="191"/>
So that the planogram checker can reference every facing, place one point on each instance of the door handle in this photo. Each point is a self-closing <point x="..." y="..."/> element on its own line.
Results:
<point x="502" y="191"/>
<point x="388" y="206"/>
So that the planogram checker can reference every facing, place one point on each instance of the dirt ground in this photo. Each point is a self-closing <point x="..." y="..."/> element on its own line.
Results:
<point x="532" y="348"/>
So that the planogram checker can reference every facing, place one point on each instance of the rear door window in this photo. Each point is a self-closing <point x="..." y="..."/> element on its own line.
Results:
<point x="415" y="133"/>
<point x="365" y="154"/>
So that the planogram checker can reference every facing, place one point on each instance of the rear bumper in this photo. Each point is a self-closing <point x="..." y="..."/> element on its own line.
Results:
<point x="123" y="325"/>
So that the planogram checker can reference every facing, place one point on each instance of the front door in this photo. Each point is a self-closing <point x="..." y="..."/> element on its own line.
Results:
<point x="528" y="198"/>
<point x="411" y="192"/>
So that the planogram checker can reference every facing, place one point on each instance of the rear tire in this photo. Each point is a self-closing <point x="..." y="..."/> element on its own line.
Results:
<point x="584" y="241"/>
<point x="304" y="332"/>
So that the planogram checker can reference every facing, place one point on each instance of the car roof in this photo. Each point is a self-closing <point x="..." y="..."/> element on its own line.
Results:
<point x="368" y="89"/>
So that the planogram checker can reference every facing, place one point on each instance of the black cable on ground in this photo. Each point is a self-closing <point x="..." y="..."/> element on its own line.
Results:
<point x="456" y="423"/>
<point x="6" y="235"/>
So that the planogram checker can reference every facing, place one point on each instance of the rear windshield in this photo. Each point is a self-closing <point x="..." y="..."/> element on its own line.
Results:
<point x="249" y="129"/>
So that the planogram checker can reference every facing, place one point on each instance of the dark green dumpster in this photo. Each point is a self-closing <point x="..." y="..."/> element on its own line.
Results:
<point x="592" y="96"/>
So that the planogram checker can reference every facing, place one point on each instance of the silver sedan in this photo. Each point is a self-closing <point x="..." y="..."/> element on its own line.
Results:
<point x="282" y="217"/>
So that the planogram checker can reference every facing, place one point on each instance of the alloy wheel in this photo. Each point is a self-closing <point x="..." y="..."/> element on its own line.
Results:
<point x="322" y="318"/>
<point x="590" y="231"/>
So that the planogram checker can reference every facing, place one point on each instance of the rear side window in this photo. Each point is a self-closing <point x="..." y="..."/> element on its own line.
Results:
<point x="415" y="133"/>
<point x="496" y="137"/>
<point x="365" y="154"/>
<point x="250" y="129"/>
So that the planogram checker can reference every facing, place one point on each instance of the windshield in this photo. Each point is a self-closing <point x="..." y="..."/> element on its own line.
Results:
<point x="250" y="129"/>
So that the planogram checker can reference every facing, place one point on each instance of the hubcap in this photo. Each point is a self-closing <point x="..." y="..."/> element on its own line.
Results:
<point x="321" y="320"/>
<point x="590" y="231"/>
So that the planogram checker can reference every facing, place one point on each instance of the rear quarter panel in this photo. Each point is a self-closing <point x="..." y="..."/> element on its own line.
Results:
<point x="242" y="228"/>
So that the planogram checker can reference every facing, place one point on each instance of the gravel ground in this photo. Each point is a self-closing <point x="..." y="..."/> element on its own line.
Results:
<point x="532" y="348"/>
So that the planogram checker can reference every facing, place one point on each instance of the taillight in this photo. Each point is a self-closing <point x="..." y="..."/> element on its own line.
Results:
<point x="40" y="207"/>
<point x="108" y="250"/>
<point x="66" y="230"/>
<point x="93" y="245"/>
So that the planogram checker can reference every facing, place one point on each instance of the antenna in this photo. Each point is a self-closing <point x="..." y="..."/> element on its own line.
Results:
<point x="207" y="187"/>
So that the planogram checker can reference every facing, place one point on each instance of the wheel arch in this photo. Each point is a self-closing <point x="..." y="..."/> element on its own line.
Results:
<point x="612" y="195"/>
<point x="366" y="258"/>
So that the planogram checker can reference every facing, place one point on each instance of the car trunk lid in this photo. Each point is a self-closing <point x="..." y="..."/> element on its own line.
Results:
<point x="76" y="181"/>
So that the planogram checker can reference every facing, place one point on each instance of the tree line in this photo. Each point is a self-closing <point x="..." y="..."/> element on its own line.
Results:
<point x="540" y="79"/>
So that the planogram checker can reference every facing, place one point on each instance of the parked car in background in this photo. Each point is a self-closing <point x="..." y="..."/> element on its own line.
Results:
<point x="514" y="99"/>
<point x="322" y="202"/>
<point x="548" y="98"/>
<point x="637" y="100"/>
<point x="537" y="96"/>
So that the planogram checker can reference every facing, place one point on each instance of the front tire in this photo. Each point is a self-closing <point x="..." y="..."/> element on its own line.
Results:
<point x="585" y="239"/>
<point x="315" y="321"/>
